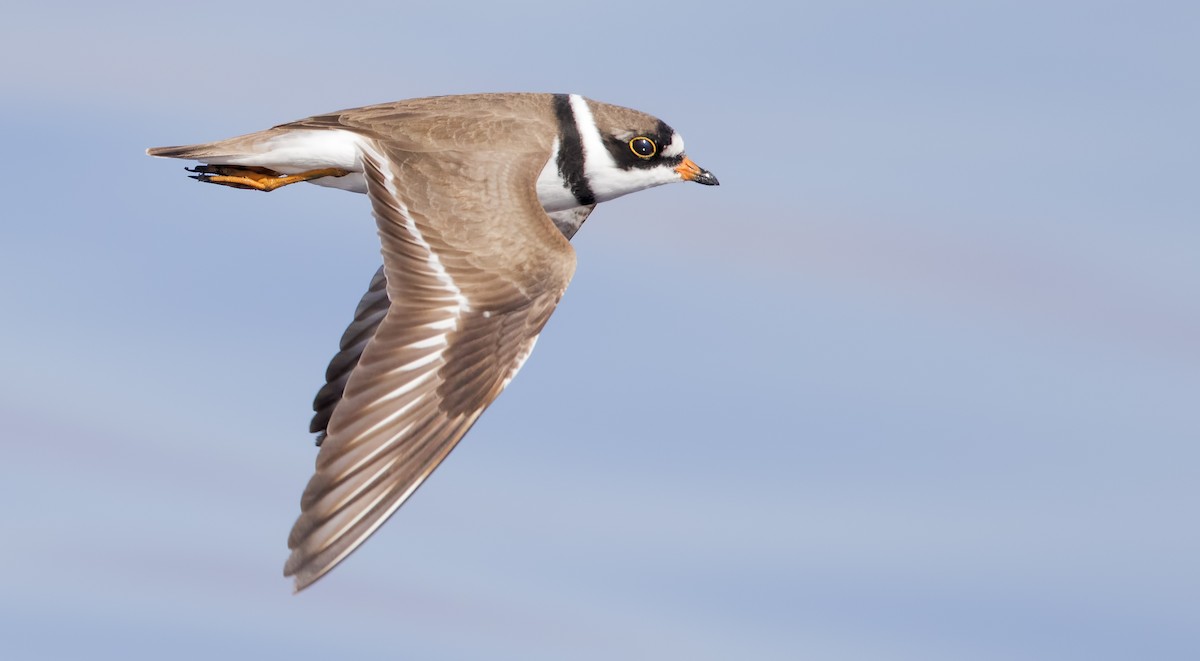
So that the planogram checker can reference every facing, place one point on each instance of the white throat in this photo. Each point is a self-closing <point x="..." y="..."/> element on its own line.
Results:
<point x="552" y="189"/>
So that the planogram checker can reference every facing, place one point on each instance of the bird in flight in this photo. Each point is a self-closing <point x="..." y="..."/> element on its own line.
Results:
<point x="476" y="198"/>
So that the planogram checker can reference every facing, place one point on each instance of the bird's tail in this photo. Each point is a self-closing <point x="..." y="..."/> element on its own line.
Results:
<point x="230" y="151"/>
<point x="321" y="156"/>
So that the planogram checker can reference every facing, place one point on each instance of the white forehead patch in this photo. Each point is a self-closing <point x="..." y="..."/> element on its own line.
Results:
<point x="675" y="148"/>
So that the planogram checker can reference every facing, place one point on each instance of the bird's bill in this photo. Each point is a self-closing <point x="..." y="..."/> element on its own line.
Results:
<point x="689" y="171"/>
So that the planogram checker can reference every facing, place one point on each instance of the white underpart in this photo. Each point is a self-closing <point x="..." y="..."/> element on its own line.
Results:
<point x="552" y="191"/>
<point x="606" y="179"/>
<point x="300" y="150"/>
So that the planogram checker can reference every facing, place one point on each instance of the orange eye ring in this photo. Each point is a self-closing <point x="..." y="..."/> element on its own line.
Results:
<point x="643" y="147"/>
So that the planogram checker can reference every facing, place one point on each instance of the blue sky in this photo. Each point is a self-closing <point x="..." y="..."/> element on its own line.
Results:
<point x="918" y="381"/>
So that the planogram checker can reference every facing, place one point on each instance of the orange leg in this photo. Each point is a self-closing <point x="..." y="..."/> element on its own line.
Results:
<point x="257" y="178"/>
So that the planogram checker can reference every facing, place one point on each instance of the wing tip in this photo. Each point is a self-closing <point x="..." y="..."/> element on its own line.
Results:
<point x="302" y="575"/>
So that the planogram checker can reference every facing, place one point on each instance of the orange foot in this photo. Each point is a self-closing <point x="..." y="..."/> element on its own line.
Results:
<point x="256" y="178"/>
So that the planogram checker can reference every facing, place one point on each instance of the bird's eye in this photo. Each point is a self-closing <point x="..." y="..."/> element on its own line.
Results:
<point x="643" y="147"/>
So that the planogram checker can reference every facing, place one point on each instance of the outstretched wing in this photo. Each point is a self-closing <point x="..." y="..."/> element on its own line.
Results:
<point x="473" y="269"/>
<point x="370" y="311"/>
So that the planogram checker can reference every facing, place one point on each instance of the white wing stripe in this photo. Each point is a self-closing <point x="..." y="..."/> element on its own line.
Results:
<point x="449" y="323"/>
<point x="407" y="387"/>
<point x="461" y="302"/>
<point x="428" y="342"/>
<point x="454" y="311"/>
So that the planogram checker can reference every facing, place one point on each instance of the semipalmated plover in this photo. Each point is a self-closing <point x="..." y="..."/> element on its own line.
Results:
<point x="475" y="198"/>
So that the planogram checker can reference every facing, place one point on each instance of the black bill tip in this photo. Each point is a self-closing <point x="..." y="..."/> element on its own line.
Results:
<point x="689" y="171"/>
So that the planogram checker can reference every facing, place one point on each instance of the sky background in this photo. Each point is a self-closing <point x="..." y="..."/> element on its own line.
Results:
<point x="920" y="380"/>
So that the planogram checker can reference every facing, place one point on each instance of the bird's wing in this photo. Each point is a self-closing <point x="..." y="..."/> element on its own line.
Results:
<point x="568" y="221"/>
<point x="370" y="311"/>
<point x="473" y="269"/>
